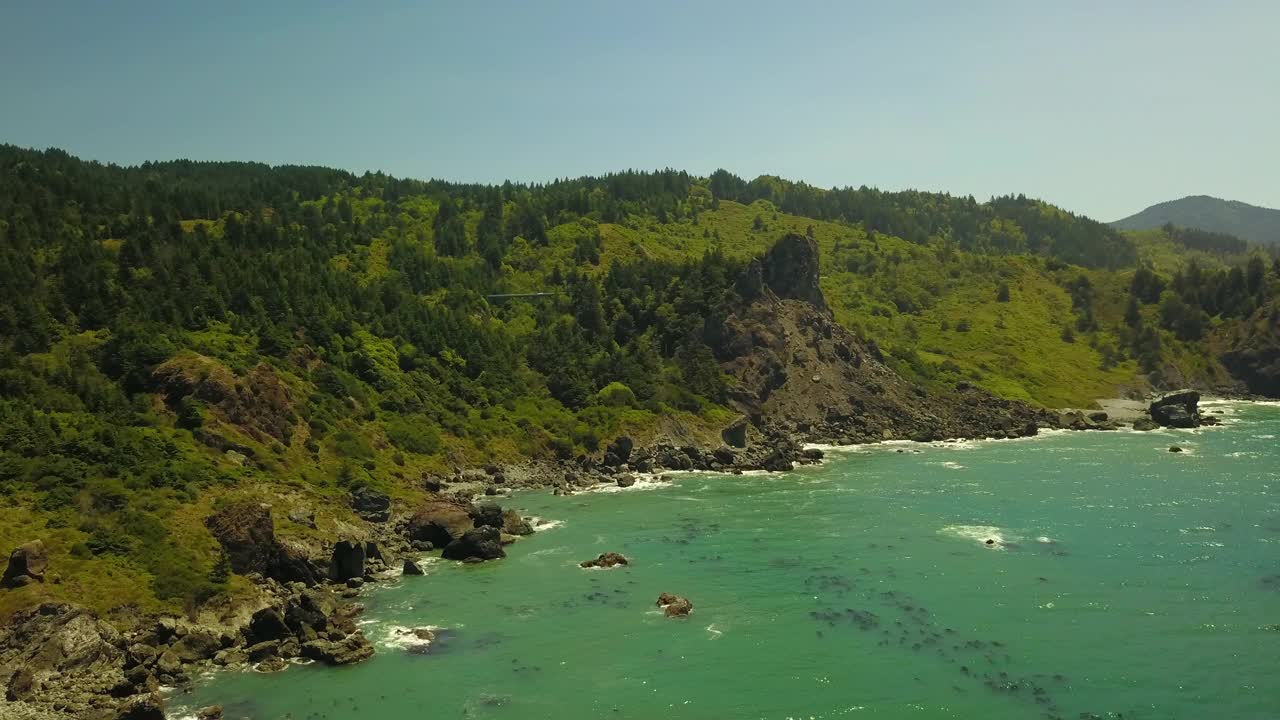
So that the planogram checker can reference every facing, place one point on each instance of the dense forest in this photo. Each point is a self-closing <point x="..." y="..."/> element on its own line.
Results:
<point x="176" y="331"/>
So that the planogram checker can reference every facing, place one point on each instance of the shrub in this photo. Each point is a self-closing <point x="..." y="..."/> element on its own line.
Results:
<point x="615" y="394"/>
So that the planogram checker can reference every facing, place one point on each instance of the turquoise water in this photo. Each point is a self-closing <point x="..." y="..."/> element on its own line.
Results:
<point x="1126" y="582"/>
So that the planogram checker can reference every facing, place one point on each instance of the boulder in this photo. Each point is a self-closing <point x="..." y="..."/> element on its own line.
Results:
<point x="735" y="435"/>
<point x="262" y="651"/>
<point x="142" y="707"/>
<point x="412" y="568"/>
<point x="1175" y="449"/>
<point x="725" y="456"/>
<point x="28" y="562"/>
<point x="674" y="605"/>
<point x="348" y="560"/>
<point x="371" y="504"/>
<point x="514" y="524"/>
<point x="440" y="523"/>
<point x="200" y="643"/>
<point x="605" y="560"/>
<point x="352" y="649"/>
<point x="620" y="449"/>
<point x="1145" y="424"/>
<point x="487" y="515"/>
<point x="268" y="624"/>
<point x="1099" y="416"/>
<point x="482" y="543"/>
<point x="213" y="712"/>
<point x="626" y="480"/>
<point x="776" y="461"/>
<point x="1177" y="409"/>
<point x="303" y="517"/>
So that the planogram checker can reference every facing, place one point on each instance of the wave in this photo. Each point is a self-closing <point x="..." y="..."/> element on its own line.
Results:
<point x="540" y="524"/>
<point x="402" y="637"/>
<point x="643" y="482"/>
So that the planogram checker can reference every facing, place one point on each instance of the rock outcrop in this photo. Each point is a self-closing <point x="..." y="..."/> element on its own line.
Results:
<point x="371" y="505"/>
<point x="247" y="535"/>
<point x="799" y="375"/>
<point x="348" y="560"/>
<point x="1178" y="409"/>
<point x="674" y="605"/>
<point x="482" y="543"/>
<point x="605" y="560"/>
<point x="440" y="523"/>
<point x="27" y="564"/>
<point x="57" y="656"/>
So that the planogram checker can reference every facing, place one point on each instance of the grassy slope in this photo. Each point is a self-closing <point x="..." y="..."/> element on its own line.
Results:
<point x="911" y="299"/>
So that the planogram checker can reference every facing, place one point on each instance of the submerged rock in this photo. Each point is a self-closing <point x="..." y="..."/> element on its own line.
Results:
<point x="412" y="568"/>
<point x="1175" y="449"/>
<point x="605" y="560"/>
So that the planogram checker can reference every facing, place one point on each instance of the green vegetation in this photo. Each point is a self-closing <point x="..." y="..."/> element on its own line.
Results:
<point x="175" y="333"/>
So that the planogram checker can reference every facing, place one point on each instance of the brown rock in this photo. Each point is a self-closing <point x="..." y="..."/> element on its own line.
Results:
<point x="29" y="560"/>
<point x="608" y="560"/>
<point x="440" y="523"/>
<point x="674" y="605"/>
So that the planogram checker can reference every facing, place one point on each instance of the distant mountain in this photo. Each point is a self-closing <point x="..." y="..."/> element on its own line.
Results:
<point x="1250" y="222"/>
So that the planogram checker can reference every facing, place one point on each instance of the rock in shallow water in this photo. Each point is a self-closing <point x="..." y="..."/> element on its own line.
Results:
<point x="674" y="605"/>
<point x="482" y="543"/>
<point x="605" y="560"/>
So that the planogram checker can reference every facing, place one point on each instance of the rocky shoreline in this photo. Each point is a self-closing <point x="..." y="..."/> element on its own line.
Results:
<point x="58" y="660"/>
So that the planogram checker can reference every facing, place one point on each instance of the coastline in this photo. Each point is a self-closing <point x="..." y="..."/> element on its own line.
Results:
<point x="336" y="599"/>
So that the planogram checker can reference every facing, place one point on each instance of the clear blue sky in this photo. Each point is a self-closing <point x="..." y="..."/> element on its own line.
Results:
<point x="1102" y="107"/>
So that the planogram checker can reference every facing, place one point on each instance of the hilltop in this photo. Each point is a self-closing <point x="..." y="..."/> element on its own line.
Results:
<point x="1252" y="223"/>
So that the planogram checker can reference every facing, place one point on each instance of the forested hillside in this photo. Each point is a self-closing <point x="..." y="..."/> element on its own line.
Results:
<point x="174" y="333"/>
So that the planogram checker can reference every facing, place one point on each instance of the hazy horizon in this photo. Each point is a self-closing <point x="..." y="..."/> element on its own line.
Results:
<point x="1101" y="110"/>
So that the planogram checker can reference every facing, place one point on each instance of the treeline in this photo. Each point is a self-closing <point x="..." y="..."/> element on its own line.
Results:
<point x="1216" y="243"/>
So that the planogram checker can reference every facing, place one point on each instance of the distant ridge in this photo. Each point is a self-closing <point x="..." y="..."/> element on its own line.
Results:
<point x="1248" y="222"/>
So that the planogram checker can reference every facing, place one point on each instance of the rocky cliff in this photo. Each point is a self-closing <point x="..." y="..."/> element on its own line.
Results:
<point x="797" y="371"/>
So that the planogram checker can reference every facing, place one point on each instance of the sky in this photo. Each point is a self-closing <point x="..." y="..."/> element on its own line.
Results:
<point x="1103" y="108"/>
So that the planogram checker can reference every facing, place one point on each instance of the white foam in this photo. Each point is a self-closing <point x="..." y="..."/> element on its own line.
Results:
<point x="1046" y="540"/>
<point x="979" y="534"/>
<point x="401" y="637"/>
<point x="952" y="465"/>
<point x="643" y="482"/>
<point x="540" y="524"/>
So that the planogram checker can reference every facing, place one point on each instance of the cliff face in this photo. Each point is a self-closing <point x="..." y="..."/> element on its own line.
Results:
<point x="797" y="370"/>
